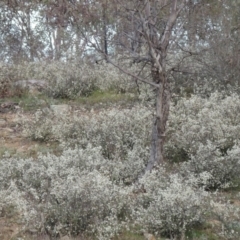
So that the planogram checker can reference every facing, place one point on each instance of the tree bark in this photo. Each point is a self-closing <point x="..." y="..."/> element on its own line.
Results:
<point x="158" y="51"/>
<point x="105" y="32"/>
<point x="159" y="122"/>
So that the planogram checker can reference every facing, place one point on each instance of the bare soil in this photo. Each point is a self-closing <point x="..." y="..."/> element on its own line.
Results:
<point x="11" y="137"/>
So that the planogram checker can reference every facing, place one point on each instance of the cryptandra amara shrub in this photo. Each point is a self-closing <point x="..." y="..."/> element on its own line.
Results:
<point x="66" y="194"/>
<point x="8" y="75"/>
<point x="122" y="134"/>
<point x="223" y="170"/>
<point x="171" y="204"/>
<point x="109" y="150"/>
<point x="206" y="132"/>
<point x="73" y="194"/>
<point x="68" y="79"/>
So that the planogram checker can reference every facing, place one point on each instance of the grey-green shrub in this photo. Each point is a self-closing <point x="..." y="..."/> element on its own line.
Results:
<point x="122" y="134"/>
<point x="74" y="194"/>
<point x="171" y="205"/>
<point x="66" y="194"/>
<point x="207" y="131"/>
<point x="223" y="170"/>
<point x="70" y="79"/>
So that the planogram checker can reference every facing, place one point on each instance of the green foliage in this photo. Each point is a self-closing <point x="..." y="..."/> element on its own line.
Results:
<point x="177" y="155"/>
<point x="105" y="97"/>
<point x="9" y="151"/>
<point x="129" y="235"/>
<point x="201" y="234"/>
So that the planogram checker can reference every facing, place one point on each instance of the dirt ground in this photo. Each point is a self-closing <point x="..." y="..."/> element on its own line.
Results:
<point x="8" y="229"/>
<point x="12" y="141"/>
<point x="11" y="137"/>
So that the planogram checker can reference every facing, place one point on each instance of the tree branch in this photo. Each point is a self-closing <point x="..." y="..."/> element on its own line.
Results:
<point x="171" y="21"/>
<point x="133" y="75"/>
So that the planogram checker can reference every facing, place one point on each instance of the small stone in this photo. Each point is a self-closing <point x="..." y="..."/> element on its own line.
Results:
<point x="65" y="238"/>
<point x="149" y="236"/>
<point x="32" y="84"/>
<point x="41" y="102"/>
<point x="9" y="105"/>
<point x="60" y="109"/>
<point x="2" y="122"/>
<point x="6" y="132"/>
<point x="9" y="130"/>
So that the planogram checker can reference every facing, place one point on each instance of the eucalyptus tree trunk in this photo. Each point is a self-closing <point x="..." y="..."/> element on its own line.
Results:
<point x="105" y="32"/>
<point x="158" y="49"/>
<point x="159" y="122"/>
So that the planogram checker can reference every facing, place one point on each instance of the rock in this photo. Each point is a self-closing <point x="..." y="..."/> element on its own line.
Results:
<point x="65" y="238"/>
<point x="149" y="236"/>
<point x="60" y="109"/>
<point x="2" y="122"/>
<point x="4" y="110"/>
<point x="6" y="132"/>
<point x="32" y="84"/>
<point x="9" y="130"/>
<point x="42" y="102"/>
<point x="8" y="104"/>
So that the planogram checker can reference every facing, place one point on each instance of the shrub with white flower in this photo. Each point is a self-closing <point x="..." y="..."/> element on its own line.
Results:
<point x="171" y="204"/>
<point x="66" y="194"/>
<point x="122" y="134"/>
<point x="223" y="170"/>
<point x="206" y="133"/>
<point x="68" y="79"/>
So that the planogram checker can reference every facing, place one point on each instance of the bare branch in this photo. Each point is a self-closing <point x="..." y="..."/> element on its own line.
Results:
<point x="171" y="21"/>
<point x="133" y="75"/>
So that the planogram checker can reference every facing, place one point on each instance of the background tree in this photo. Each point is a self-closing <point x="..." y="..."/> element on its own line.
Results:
<point x="212" y="45"/>
<point x="145" y="34"/>
<point x="20" y="36"/>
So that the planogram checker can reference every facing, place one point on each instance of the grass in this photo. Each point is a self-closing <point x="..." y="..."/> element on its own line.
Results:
<point x="32" y="150"/>
<point x="31" y="102"/>
<point x="27" y="102"/>
<point x="4" y="150"/>
<point x="129" y="235"/>
<point x="201" y="233"/>
<point x="41" y="148"/>
<point x="103" y="97"/>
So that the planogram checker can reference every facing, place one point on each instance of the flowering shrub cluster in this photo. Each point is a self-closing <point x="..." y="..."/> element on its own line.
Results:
<point x="74" y="194"/>
<point x="170" y="205"/>
<point x="66" y="194"/>
<point x="88" y="189"/>
<point x="206" y="132"/>
<point x="68" y="79"/>
<point x="122" y="134"/>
